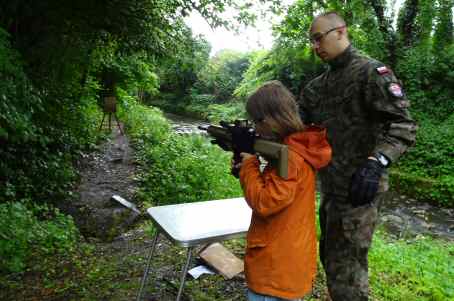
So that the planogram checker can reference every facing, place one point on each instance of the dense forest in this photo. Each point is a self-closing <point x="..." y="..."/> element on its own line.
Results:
<point x="58" y="59"/>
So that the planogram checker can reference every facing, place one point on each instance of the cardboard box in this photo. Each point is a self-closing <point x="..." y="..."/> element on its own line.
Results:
<point x="222" y="260"/>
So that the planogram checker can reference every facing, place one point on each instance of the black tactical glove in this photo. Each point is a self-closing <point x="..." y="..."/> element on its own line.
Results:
<point x="221" y="144"/>
<point x="243" y="139"/>
<point x="365" y="180"/>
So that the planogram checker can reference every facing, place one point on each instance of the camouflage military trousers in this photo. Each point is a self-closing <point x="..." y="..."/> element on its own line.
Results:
<point x="346" y="235"/>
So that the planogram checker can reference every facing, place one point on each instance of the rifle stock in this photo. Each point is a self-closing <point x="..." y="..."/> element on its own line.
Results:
<point x="270" y="150"/>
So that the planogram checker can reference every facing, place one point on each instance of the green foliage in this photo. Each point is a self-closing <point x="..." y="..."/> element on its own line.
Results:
<point x="444" y="29"/>
<point x="33" y="163"/>
<point x="260" y="70"/>
<point x="177" y="169"/>
<point x="145" y="125"/>
<point x="36" y="149"/>
<point x="293" y="66"/>
<point x="222" y="74"/>
<point x="178" y="73"/>
<point x="15" y="236"/>
<point x="24" y="236"/>
<point x="64" y="54"/>
<point x="111" y="68"/>
<point x="201" y="106"/>
<point x="429" y="81"/>
<point x="415" y="270"/>
<point x="426" y="171"/>
<point x="18" y="98"/>
<point x="227" y="112"/>
<point x="187" y="169"/>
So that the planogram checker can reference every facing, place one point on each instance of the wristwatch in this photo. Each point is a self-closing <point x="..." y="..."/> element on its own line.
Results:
<point x="382" y="159"/>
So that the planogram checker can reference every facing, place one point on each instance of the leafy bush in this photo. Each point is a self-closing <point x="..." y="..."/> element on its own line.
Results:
<point x="187" y="169"/>
<point x="177" y="169"/>
<point x="222" y="74"/>
<point x="23" y="236"/>
<point x="429" y="81"/>
<point x="38" y="136"/>
<point x="260" y="70"/>
<point x="228" y="112"/>
<point x="145" y="125"/>
<point x="426" y="171"/>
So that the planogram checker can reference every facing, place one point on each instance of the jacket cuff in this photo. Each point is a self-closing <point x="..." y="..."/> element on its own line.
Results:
<point x="391" y="152"/>
<point x="247" y="164"/>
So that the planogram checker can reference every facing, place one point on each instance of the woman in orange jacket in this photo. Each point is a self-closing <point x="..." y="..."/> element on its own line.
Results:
<point x="281" y="256"/>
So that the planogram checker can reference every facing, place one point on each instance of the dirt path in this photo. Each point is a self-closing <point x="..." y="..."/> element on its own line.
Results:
<point x="104" y="173"/>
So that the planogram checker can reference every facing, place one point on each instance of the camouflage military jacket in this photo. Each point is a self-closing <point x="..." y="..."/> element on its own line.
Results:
<point x="365" y="111"/>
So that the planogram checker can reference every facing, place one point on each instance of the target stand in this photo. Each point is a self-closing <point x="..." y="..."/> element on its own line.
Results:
<point x="110" y="108"/>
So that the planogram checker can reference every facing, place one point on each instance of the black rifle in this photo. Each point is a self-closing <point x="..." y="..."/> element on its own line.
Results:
<point x="240" y="137"/>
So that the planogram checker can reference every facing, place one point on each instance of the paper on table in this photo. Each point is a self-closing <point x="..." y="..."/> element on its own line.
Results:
<point x="200" y="270"/>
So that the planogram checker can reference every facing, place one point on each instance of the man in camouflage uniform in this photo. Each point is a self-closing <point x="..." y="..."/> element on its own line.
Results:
<point x="365" y="111"/>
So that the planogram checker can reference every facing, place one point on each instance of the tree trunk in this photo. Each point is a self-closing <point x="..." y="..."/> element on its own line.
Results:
<point x="406" y="23"/>
<point x="389" y="35"/>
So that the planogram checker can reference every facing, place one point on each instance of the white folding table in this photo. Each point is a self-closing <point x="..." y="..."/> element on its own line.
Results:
<point x="191" y="224"/>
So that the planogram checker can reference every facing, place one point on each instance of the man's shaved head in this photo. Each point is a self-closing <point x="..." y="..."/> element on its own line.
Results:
<point x="332" y="18"/>
<point x="328" y="35"/>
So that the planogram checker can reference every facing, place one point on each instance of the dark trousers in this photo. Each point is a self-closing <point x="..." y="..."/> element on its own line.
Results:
<point x="346" y="236"/>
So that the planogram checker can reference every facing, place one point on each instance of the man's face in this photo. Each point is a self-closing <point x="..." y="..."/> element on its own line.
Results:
<point x="325" y="39"/>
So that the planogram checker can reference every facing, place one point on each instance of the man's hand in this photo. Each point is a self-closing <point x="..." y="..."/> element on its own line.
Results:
<point x="365" y="180"/>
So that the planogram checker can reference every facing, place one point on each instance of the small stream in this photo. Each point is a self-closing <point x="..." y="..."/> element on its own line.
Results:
<point x="406" y="217"/>
<point x="185" y="125"/>
<point x="400" y="215"/>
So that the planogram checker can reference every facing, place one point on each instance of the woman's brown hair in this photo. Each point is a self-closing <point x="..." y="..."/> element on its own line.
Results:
<point x="274" y="101"/>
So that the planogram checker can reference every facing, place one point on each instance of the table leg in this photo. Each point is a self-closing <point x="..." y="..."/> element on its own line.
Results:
<point x="147" y="269"/>
<point x="185" y="271"/>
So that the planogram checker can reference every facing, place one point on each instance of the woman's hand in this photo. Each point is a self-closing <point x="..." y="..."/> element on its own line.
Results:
<point x="245" y="156"/>
<point x="234" y="166"/>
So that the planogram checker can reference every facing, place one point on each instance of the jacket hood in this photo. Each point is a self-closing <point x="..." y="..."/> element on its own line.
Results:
<point x="312" y="145"/>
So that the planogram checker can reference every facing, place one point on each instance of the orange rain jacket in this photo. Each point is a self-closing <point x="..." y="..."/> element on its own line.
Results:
<point x="281" y="254"/>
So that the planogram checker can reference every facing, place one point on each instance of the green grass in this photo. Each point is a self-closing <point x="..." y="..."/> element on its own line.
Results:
<point x="421" y="269"/>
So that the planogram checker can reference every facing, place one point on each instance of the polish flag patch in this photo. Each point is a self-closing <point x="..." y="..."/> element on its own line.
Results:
<point x="395" y="90"/>
<point x="382" y="70"/>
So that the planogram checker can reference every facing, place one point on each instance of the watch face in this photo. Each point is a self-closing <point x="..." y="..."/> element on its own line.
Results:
<point x="383" y="160"/>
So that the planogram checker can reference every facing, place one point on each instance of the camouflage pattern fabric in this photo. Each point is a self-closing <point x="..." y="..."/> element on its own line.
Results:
<point x="365" y="111"/>
<point x="346" y="235"/>
<point x="362" y="116"/>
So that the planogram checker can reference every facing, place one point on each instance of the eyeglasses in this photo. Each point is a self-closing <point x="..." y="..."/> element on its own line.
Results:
<point x="317" y="37"/>
<point x="257" y="121"/>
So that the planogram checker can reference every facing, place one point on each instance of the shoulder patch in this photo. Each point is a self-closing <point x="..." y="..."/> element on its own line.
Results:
<point x="395" y="89"/>
<point x="382" y="70"/>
